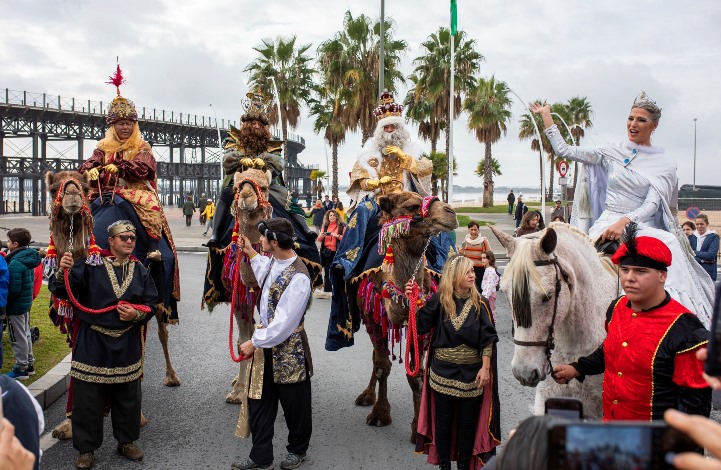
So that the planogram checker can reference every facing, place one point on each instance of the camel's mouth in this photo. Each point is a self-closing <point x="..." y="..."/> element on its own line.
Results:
<point x="72" y="209"/>
<point x="248" y="206"/>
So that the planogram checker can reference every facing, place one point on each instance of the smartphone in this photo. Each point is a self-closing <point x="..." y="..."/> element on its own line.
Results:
<point x="568" y="408"/>
<point x="630" y="444"/>
<point x="713" y="362"/>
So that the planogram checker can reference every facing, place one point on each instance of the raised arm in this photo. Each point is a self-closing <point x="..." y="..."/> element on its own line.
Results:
<point x="560" y="147"/>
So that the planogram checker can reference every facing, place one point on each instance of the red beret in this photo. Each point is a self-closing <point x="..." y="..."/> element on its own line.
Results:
<point x="649" y="252"/>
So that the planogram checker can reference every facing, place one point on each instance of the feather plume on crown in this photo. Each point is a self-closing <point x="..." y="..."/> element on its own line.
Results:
<point x="117" y="79"/>
<point x="629" y="237"/>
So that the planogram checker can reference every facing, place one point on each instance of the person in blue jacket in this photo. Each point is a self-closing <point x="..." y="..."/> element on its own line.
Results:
<point x="4" y="280"/>
<point x="705" y="245"/>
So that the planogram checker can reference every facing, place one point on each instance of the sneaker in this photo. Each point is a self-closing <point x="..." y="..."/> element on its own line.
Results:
<point x="248" y="464"/>
<point x="31" y="369"/>
<point x="292" y="461"/>
<point x="18" y="374"/>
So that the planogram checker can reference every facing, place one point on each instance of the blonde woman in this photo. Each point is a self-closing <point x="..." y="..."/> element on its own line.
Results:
<point x="460" y="374"/>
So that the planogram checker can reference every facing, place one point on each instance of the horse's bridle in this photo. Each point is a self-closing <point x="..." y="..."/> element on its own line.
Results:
<point x="549" y="343"/>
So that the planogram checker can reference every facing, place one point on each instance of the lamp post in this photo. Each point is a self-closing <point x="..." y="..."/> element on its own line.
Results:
<point x="694" y="153"/>
<point x="220" y="147"/>
<point x="540" y="152"/>
<point x="381" y="52"/>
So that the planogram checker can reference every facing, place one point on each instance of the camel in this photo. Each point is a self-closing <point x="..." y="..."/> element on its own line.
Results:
<point x="557" y="268"/>
<point x="250" y="208"/>
<point x="387" y="286"/>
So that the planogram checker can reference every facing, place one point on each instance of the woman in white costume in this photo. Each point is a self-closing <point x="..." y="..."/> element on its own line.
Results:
<point x="634" y="181"/>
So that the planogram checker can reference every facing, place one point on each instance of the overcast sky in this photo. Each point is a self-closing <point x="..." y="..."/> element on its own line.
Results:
<point x="182" y="55"/>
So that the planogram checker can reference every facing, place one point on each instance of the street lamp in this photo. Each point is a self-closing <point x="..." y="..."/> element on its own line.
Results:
<point x="540" y="152"/>
<point x="694" y="153"/>
<point x="220" y="147"/>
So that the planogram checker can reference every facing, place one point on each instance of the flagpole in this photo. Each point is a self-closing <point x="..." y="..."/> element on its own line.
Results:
<point x="381" y="54"/>
<point x="451" y="109"/>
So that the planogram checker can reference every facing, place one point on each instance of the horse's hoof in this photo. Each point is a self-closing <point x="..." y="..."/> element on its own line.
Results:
<point x="143" y="420"/>
<point x="171" y="380"/>
<point x="63" y="431"/>
<point x="365" y="399"/>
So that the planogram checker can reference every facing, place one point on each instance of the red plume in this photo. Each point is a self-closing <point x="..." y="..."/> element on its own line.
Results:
<point x="117" y="79"/>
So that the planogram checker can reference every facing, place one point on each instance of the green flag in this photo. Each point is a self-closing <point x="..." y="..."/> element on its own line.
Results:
<point x="454" y="17"/>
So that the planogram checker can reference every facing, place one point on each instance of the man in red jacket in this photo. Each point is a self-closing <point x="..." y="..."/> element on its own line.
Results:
<point x="649" y="355"/>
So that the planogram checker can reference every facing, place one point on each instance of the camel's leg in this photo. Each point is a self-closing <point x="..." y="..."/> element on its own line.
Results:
<point x="416" y="384"/>
<point x="380" y="415"/>
<point x="64" y="430"/>
<point x="245" y="332"/>
<point x="171" y="378"/>
<point x="368" y="396"/>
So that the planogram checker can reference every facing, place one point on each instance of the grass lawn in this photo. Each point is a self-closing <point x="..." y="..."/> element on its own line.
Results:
<point x="497" y="209"/>
<point x="464" y="219"/>
<point x="49" y="350"/>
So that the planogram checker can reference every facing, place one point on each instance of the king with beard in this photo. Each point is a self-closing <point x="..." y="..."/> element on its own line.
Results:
<point x="253" y="146"/>
<point x="389" y="162"/>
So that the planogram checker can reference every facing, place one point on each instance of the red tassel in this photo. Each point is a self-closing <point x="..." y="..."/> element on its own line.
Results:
<point x="93" y="252"/>
<point x="388" y="260"/>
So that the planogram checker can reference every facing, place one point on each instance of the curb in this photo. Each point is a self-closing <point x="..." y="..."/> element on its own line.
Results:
<point x="51" y="386"/>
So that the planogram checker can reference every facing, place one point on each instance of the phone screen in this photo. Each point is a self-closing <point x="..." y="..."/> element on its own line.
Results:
<point x="567" y="408"/>
<point x="582" y="446"/>
<point x="566" y="414"/>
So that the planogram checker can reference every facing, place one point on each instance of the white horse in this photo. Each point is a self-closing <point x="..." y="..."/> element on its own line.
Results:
<point x="559" y="290"/>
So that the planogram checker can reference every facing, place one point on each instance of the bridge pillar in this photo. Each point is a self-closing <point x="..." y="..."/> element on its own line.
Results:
<point x="39" y="181"/>
<point x="81" y="147"/>
<point x="37" y="141"/>
<point x="21" y="195"/>
<point x="3" y="170"/>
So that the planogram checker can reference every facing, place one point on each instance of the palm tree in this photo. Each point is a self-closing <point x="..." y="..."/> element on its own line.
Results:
<point x="580" y="112"/>
<point x="433" y="71"/>
<point x="317" y="176"/>
<point x="349" y="62"/>
<point x="293" y="72"/>
<point x="495" y="167"/>
<point x="328" y="109"/>
<point x="488" y="105"/>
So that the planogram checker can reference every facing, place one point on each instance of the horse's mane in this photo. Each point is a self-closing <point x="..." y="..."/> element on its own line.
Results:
<point x="522" y="270"/>
<point x="604" y="259"/>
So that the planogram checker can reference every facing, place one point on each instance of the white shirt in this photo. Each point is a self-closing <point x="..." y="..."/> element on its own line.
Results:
<point x="700" y="238"/>
<point x="291" y="306"/>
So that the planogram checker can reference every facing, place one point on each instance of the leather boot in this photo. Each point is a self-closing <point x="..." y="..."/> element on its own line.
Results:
<point x="222" y="212"/>
<point x="309" y="234"/>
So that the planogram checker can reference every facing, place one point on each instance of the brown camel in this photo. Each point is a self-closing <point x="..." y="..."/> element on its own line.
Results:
<point x="250" y="208"/>
<point x="409" y="256"/>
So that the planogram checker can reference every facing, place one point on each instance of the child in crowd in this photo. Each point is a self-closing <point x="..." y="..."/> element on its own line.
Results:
<point x="491" y="278"/>
<point x="473" y="247"/>
<point x="21" y="261"/>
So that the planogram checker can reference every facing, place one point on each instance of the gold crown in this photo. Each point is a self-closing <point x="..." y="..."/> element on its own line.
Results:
<point x="121" y="108"/>
<point x="256" y="106"/>
<point x="388" y="107"/>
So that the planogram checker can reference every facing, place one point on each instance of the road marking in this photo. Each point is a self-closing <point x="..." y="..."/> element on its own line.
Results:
<point x="47" y="441"/>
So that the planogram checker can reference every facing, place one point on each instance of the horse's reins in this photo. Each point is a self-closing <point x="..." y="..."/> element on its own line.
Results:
<point x="549" y="343"/>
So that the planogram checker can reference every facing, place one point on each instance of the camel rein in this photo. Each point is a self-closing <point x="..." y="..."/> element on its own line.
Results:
<point x="412" y="338"/>
<point x="549" y="344"/>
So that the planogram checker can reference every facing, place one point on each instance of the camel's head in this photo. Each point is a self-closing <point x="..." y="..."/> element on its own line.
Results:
<point x="252" y="188"/>
<point x="431" y="217"/>
<point x="428" y="217"/>
<point x="67" y="189"/>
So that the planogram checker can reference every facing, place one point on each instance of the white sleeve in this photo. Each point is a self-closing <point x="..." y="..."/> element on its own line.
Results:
<point x="288" y="314"/>
<point x="260" y="265"/>
<point x="572" y="152"/>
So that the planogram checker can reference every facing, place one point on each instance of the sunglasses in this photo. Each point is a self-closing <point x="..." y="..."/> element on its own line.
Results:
<point x="125" y="238"/>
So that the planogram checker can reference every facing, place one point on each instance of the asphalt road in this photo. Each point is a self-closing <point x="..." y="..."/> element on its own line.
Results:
<point x="191" y="426"/>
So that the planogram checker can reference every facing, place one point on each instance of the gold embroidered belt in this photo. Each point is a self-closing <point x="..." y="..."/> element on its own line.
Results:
<point x="109" y="332"/>
<point x="462" y="354"/>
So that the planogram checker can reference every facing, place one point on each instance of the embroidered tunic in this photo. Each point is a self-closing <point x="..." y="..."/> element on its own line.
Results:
<point x="649" y="362"/>
<point x="108" y="349"/>
<point x="457" y="345"/>
<point x="283" y="303"/>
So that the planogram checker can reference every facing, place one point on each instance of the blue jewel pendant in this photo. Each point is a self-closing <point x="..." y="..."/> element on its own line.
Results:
<point x="625" y="161"/>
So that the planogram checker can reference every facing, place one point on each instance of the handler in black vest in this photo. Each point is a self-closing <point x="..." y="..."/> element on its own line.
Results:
<point x="282" y="366"/>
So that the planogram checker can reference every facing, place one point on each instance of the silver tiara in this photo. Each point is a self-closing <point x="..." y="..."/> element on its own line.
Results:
<point x="643" y="101"/>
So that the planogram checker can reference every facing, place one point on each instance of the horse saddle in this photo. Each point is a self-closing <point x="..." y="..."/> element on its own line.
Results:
<point x="606" y="247"/>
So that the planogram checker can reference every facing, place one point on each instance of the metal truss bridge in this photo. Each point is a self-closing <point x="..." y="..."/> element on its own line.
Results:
<point x="41" y="132"/>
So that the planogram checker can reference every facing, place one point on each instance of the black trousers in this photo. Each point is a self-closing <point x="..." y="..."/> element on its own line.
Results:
<point x="188" y="220"/>
<point x="465" y="411"/>
<point x="297" y="409"/>
<point x="510" y="208"/>
<point x="88" y="403"/>
<point x="326" y="261"/>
